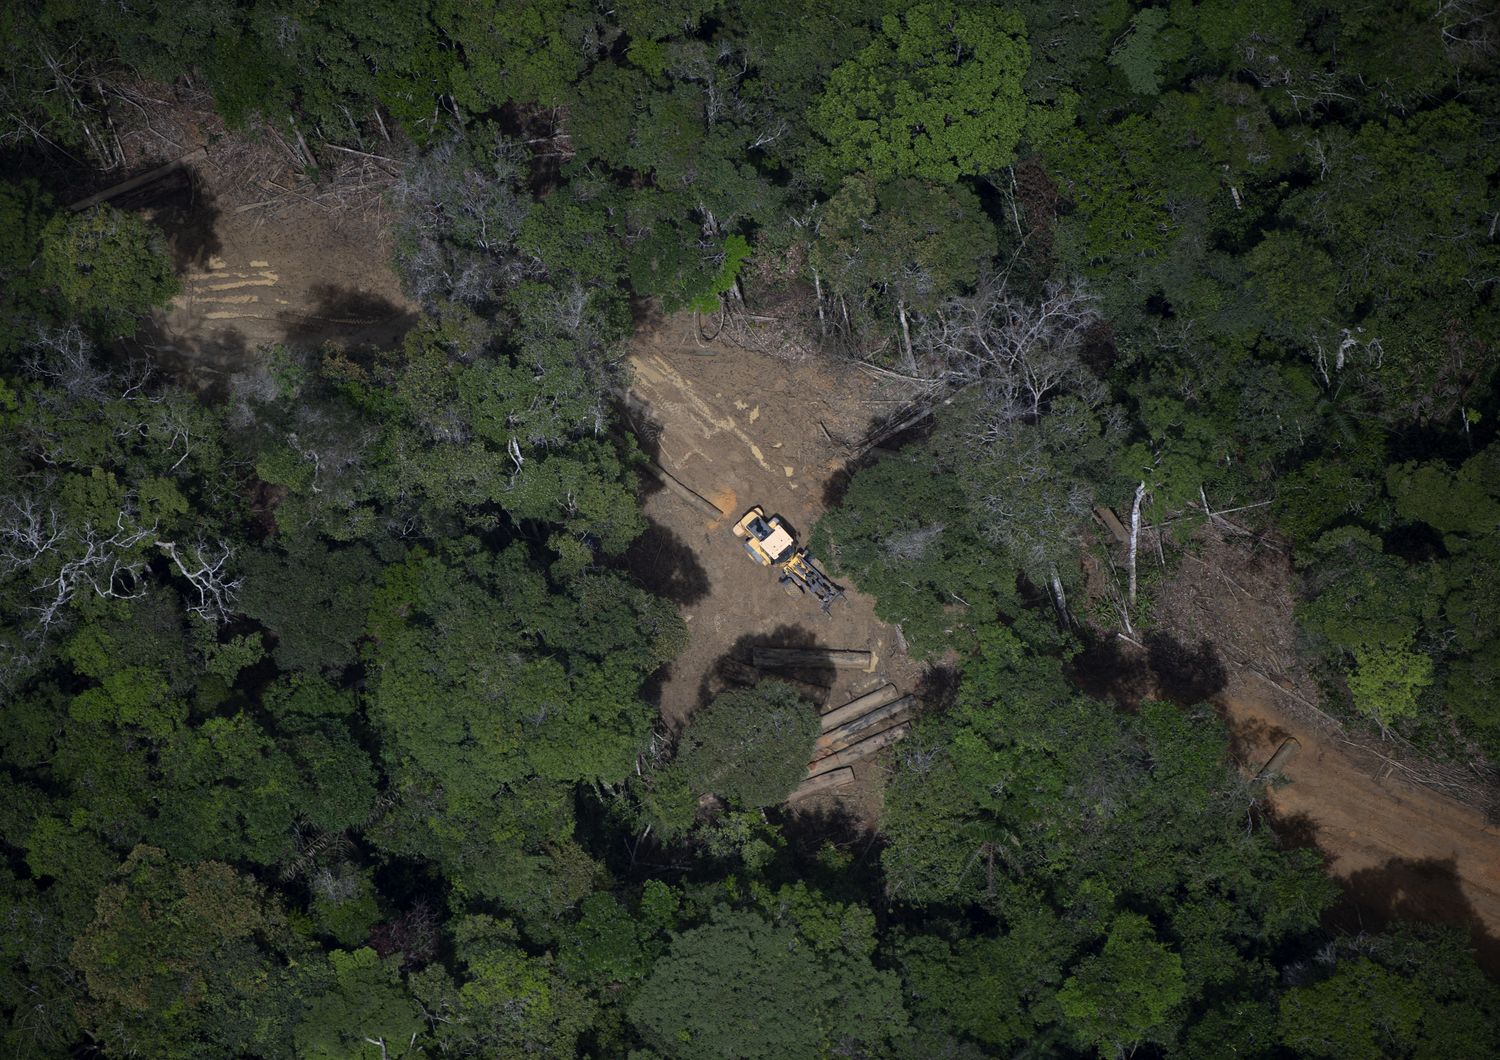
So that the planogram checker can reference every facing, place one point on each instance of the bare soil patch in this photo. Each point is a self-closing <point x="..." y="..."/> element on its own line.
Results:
<point x="1397" y="848"/>
<point x="265" y="251"/>
<point x="1403" y="837"/>
<point x="741" y="428"/>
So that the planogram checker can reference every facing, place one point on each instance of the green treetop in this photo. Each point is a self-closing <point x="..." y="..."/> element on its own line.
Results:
<point x="936" y="95"/>
<point x="750" y="746"/>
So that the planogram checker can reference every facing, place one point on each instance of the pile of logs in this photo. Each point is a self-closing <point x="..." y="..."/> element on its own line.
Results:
<point x="854" y="731"/>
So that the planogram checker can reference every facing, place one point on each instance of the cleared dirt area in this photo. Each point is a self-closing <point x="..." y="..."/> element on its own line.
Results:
<point x="743" y="428"/>
<point x="1397" y="848"/>
<point x="265" y="253"/>
<point x="314" y="276"/>
<point x="1402" y="837"/>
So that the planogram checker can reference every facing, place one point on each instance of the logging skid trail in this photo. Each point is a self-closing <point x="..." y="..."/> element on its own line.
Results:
<point x="1400" y="836"/>
<point x="729" y="428"/>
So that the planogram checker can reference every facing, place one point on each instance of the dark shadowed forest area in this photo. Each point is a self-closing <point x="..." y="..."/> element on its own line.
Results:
<point x="331" y="668"/>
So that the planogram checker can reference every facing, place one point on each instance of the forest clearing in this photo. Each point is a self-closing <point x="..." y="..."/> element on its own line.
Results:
<point x="742" y="427"/>
<point x="1398" y="847"/>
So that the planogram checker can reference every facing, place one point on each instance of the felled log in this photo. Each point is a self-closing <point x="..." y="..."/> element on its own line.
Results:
<point x="137" y="182"/>
<point x="863" y="749"/>
<point x="866" y="725"/>
<point x="1111" y="522"/>
<point x="855" y="707"/>
<point x="834" y="778"/>
<point x="1281" y="759"/>
<point x="781" y="658"/>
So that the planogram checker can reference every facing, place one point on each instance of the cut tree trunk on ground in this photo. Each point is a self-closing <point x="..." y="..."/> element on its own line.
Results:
<point x="861" y="727"/>
<point x="835" y="778"/>
<point x="781" y="658"/>
<point x="855" y="707"/>
<point x="1111" y="522"/>
<point x="745" y="674"/>
<point x="136" y="182"/>
<point x="1280" y="760"/>
<point x="863" y="749"/>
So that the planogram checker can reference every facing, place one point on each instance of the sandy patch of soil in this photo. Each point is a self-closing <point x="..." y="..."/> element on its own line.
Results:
<point x="310" y="278"/>
<point x="265" y="253"/>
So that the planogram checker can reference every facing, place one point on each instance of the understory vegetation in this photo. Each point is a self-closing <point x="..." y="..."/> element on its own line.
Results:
<point x="327" y="725"/>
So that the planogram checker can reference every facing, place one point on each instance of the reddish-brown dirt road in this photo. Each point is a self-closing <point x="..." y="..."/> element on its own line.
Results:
<point x="1397" y="848"/>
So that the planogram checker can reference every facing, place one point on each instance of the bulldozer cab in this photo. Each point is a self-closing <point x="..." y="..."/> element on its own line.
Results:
<point x="769" y="543"/>
<point x="766" y="540"/>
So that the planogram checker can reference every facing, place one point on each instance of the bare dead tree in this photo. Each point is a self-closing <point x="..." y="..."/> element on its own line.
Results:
<point x="1351" y="345"/>
<point x="1135" y="536"/>
<point x="459" y="220"/>
<point x="107" y="561"/>
<point x="1019" y="354"/>
<point x="42" y="74"/>
<point x="913" y="544"/>
<point x="204" y="569"/>
<point x="63" y="358"/>
<point x="1467" y="27"/>
<point x="1026" y="349"/>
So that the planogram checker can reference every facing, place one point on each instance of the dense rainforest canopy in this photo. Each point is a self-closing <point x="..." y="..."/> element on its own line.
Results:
<point x="327" y="726"/>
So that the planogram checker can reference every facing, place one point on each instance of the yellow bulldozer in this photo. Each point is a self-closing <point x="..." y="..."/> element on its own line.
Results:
<point x="768" y="542"/>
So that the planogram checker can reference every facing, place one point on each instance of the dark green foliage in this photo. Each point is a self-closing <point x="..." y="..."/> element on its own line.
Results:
<point x="904" y="535"/>
<point x="105" y="267"/>
<point x="24" y="301"/>
<point x="1127" y="992"/>
<point x="313" y="601"/>
<point x="1412" y="993"/>
<point x="506" y="1003"/>
<point x="936" y="95"/>
<point x="1044" y="808"/>
<point x="364" y="1001"/>
<point x="178" y="955"/>
<point x="749" y="746"/>
<point x="901" y="245"/>
<point x="740" y="986"/>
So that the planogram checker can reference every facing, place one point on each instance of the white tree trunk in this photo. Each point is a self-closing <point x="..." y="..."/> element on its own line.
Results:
<point x="818" y="291"/>
<point x="1135" y="535"/>
<point x="908" y="361"/>
<point x="1060" y="598"/>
